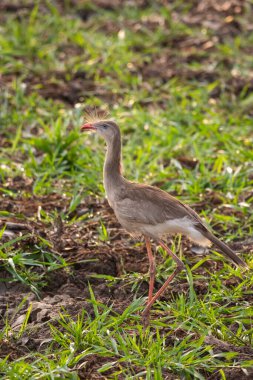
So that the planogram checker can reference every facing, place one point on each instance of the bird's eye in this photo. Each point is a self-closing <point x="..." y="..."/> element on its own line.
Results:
<point x="104" y="126"/>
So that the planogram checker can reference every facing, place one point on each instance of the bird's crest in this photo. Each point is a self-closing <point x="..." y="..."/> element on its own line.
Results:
<point x="94" y="115"/>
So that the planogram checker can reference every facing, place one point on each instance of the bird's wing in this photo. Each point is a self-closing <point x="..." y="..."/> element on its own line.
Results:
<point x="151" y="205"/>
<point x="140" y="204"/>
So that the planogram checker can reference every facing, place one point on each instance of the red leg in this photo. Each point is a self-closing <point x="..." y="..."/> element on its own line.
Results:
<point x="178" y="269"/>
<point x="151" y="269"/>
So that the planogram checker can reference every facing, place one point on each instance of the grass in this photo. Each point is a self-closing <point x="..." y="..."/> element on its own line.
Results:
<point x="54" y="65"/>
<point x="176" y="343"/>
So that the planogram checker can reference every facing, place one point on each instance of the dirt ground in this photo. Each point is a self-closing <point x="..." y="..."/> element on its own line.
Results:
<point x="67" y="288"/>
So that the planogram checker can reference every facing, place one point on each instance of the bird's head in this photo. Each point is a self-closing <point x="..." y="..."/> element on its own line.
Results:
<point x="104" y="128"/>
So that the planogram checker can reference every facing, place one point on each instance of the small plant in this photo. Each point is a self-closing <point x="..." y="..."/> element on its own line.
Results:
<point x="12" y="329"/>
<point x="103" y="233"/>
<point x="20" y="264"/>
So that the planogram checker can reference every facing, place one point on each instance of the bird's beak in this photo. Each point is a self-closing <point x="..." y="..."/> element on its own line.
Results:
<point x="87" y="127"/>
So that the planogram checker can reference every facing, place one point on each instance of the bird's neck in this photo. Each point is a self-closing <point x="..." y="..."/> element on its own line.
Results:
<point x="112" y="166"/>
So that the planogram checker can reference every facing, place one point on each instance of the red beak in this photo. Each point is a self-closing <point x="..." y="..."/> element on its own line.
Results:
<point x="87" y="127"/>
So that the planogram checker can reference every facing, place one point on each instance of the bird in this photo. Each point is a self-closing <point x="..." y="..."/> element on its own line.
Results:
<point x="149" y="211"/>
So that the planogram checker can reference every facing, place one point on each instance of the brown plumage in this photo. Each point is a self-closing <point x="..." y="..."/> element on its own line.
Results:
<point x="148" y="210"/>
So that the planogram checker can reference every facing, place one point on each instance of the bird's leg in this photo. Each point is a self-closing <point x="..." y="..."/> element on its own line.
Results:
<point x="178" y="269"/>
<point x="151" y="269"/>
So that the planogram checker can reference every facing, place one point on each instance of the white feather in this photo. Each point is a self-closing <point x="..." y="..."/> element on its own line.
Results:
<point x="183" y="226"/>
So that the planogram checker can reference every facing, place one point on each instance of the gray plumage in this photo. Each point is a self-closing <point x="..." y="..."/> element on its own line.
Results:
<point x="148" y="210"/>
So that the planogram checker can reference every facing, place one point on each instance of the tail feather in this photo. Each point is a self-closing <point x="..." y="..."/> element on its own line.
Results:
<point x="225" y="249"/>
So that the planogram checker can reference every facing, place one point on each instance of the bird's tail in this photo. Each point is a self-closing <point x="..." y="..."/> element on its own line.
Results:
<point x="225" y="249"/>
